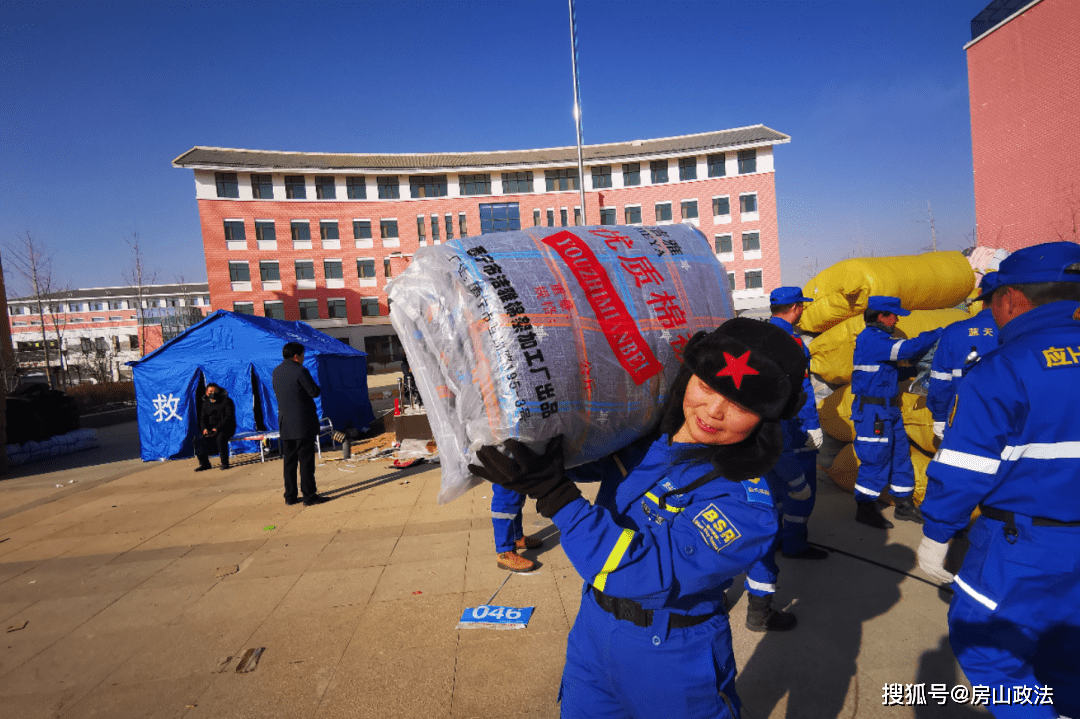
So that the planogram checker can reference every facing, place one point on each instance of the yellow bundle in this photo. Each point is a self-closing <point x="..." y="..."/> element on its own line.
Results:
<point x="922" y="282"/>
<point x="835" y="415"/>
<point x="831" y="351"/>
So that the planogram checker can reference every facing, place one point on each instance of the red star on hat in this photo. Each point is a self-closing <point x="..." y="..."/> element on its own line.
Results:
<point x="737" y="368"/>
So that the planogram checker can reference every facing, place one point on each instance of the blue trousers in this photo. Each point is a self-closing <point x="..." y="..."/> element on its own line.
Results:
<point x="1014" y="620"/>
<point x="884" y="458"/>
<point x="618" y="670"/>
<point x="506" y="517"/>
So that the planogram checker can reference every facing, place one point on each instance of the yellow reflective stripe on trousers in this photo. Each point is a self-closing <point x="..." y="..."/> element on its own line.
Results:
<point x="600" y="581"/>
<point x="656" y="501"/>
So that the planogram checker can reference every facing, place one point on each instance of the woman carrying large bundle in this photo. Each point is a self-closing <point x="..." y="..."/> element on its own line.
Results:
<point x="678" y="515"/>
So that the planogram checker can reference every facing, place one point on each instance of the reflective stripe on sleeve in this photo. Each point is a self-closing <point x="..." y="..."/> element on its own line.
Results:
<point x="943" y="376"/>
<point x="970" y="591"/>
<point x="868" y="367"/>
<point x="963" y="460"/>
<point x="1049" y="450"/>
<point x="612" y="563"/>
<point x="761" y="586"/>
<point x="503" y="515"/>
<point x="871" y="439"/>
<point x="895" y="354"/>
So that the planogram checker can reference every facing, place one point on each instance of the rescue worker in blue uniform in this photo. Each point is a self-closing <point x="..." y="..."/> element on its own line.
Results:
<point x="678" y="515"/>
<point x="1012" y="448"/>
<point x="506" y="518"/>
<point x="794" y="479"/>
<point x="960" y="346"/>
<point x="881" y="443"/>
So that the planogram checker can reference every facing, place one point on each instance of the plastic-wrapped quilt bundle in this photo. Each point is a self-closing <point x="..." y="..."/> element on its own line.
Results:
<point x="546" y="331"/>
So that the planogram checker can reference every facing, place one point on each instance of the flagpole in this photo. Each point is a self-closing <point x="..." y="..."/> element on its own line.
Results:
<point x="577" y="108"/>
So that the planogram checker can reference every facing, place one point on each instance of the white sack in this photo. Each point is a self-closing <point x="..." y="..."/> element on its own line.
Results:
<point x="546" y="331"/>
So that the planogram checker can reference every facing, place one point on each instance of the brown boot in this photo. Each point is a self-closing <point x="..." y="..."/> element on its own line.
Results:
<point x="515" y="562"/>
<point x="529" y="543"/>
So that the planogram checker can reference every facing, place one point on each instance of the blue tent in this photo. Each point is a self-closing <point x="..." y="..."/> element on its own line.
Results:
<point x="240" y="352"/>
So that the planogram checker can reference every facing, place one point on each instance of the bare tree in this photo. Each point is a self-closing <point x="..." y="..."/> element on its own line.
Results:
<point x="138" y="277"/>
<point x="99" y="358"/>
<point x="32" y="261"/>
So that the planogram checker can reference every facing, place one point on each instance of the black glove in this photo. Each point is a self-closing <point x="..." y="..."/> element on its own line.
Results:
<point x="541" y="477"/>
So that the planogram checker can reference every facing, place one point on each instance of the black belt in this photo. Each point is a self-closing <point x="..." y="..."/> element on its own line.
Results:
<point x="1009" y="518"/>
<point x="631" y="611"/>
<point x="863" y="399"/>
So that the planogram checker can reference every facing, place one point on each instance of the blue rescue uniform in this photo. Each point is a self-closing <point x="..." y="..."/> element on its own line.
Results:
<point x="978" y="334"/>
<point x="1013" y="448"/>
<point x="506" y="517"/>
<point x="881" y="444"/>
<point x="665" y="569"/>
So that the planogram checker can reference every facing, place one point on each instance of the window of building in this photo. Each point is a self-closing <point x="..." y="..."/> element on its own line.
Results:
<point x="133" y="342"/>
<point x="240" y="308"/>
<point x="499" y="217"/>
<point x="269" y="271"/>
<point x="687" y="168"/>
<point x="388" y="188"/>
<point x="117" y="318"/>
<point x="388" y="229"/>
<point x="264" y="231"/>
<point x="227" y="185"/>
<point x="427" y="185"/>
<point x="356" y="187"/>
<point x="716" y="165"/>
<point x="557" y="180"/>
<point x="550" y="217"/>
<point x="747" y="162"/>
<point x="449" y="226"/>
<point x="76" y="307"/>
<point x="658" y="170"/>
<point x="325" y="188"/>
<point x="239" y="272"/>
<point x="753" y="279"/>
<point x="274" y="310"/>
<point x="463" y="232"/>
<point x="631" y="174"/>
<point x="721" y="206"/>
<point x="607" y="215"/>
<point x="328" y="229"/>
<point x="577" y="216"/>
<point x="723" y="244"/>
<point x="421" y="231"/>
<point x="99" y="306"/>
<point x="633" y="214"/>
<point x="601" y="176"/>
<point x="113" y="305"/>
<point x="301" y="230"/>
<point x="563" y="217"/>
<point x="435" y="229"/>
<point x="335" y="309"/>
<point x="689" y="209"/>
<point x="332" y="269"/>
<point x="101" y="344"/>
<point x="517" y="182"/>
<point x="309" y="309"/>
<point x="386" y="268"/>
<point x="295" y="187"/>
<point x="536" y="218"/>
<point x="305" y="270"/>
<point x="369" y="306"/>
<point x="365" y="268"/>
<point x="262" y="187"/>
<point x="748" y="203"/>
<point x="663" y="212"/>
<point x="751" y="241"/>
<point x="731" y="280"/>
<point x="234" y="231"/>
<point x="361" y="229"/>
<point x="475" y="185"/>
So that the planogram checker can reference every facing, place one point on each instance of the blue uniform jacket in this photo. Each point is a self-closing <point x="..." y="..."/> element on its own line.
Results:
<point x="875" y="358"/>
<point x="680" y="558"/>
<point x="1014" y="436"/>
<point x="795" y="429"/>
<point x="979" y="333"/>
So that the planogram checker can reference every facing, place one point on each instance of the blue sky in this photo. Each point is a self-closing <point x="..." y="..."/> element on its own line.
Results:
<point x="96" y="99"/>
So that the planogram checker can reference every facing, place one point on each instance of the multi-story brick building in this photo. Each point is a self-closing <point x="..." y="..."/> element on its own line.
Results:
<point x="316" y="237"/>
<point x="91" y="333"/>
<point x="1024" y="83"/>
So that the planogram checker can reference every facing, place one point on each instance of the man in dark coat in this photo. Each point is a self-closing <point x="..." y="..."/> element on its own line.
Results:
<point x="217" y="425"/>
<point x="298" y="423"/>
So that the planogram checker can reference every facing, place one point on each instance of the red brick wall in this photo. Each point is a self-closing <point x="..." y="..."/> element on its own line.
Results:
<point x="1024" y="81"/>
<point x="213" y="212"/>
